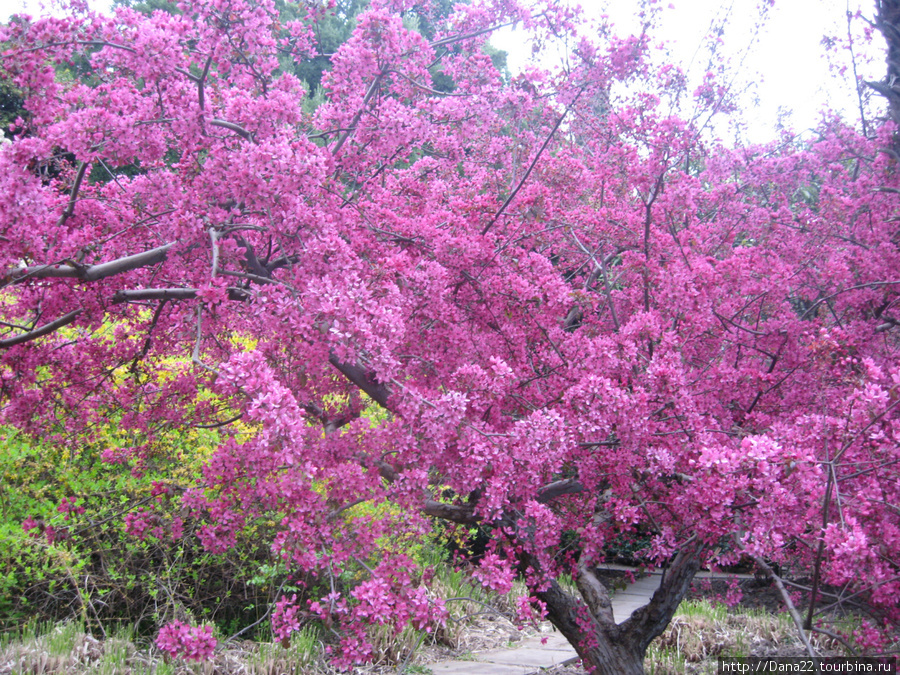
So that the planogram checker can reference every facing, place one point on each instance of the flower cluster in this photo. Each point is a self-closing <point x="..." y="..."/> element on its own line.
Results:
<point x="70" y="506"/>
<point x="143" y="523"/>
<point x="178" y="639"/>
<point x="284" y="617"/>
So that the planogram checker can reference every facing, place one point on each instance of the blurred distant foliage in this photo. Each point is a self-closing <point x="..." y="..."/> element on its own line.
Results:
<point x="334" y="28"/>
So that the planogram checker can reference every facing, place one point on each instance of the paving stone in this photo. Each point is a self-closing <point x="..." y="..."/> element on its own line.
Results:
<point x="478" y="668"/>
<point x="555" y="642"/>
<point x="533" y="658"/>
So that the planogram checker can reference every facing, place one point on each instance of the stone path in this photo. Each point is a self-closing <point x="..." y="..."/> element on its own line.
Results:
<point x="529" y="656"/>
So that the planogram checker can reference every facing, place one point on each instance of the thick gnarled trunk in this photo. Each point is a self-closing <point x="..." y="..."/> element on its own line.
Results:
<point x="608" y="648"/>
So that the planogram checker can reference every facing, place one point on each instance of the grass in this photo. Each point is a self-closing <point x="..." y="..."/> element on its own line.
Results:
<point x="40" y="649"/>
<point x="51" y="649"/>
<point x="416" y="670"/>
<point x="701" y="632"/>
<point x="698" y="634"/>
<point x="304" y="651"/>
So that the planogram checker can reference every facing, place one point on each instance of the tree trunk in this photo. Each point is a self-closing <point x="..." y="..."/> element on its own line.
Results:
<point x="608" y="648"/>
<point x="602" y="646"/>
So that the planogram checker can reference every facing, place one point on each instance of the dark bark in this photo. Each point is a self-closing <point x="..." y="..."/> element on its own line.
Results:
<point x="365" y="380"/>
<point x="567" y="486"/>
<point x="651" y="620"/>
<point x="171" y="294"/>
<point x="456" y="513"/>
<point x="602" y="645"/>
<point x="887" y="20"/>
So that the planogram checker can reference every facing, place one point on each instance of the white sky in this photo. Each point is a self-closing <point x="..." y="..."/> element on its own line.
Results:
<point x="785" y="65"/>
<point x="8" y="7"/>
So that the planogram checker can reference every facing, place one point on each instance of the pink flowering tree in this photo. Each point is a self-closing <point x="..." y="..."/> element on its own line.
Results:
<point x="554" y="299"/>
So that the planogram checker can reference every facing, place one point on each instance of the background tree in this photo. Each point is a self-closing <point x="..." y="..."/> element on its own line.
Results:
<point x="725" y="382"/>
<point x="887" y="21"/>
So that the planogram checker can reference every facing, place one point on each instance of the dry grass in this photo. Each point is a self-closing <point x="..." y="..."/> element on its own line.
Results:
<point x="478" y="620"/>
<point x="701" y="632"/>
<point x="68" y="649"/>
<point x="698" y="634"/>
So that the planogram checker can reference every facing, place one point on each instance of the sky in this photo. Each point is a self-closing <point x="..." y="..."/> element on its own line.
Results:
<point x="780" y="68"/>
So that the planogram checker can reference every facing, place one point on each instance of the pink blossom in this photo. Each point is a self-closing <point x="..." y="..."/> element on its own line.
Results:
<point x="284" y="617"/>
<point x="549" y="306"/>
<point x="194" y="643"/>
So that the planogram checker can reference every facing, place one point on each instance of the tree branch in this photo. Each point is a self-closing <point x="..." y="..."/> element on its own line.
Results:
<point x="364" y="380"/>
<point x="568" y="486"/>
<point x="64" y="320"/>
<point x="171" y="294"/>
<point x="795" y="615"/>
<point x="452" y="512"/>
<point x="651" y="620"/>
<point x="469" y="36"/>
<point x="201" y="82"/>
<point x="362" y="108"/>
<point x="594" y="593"/>
<point x="874" y="284"/>
<point x="94" y="272"/>
<point x="236" y="128"/>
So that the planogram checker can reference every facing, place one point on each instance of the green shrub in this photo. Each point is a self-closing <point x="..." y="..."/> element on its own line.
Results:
<point x="108" y="542"/>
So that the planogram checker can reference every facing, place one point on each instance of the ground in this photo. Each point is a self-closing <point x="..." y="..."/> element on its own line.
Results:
<point x="699" y="633"/>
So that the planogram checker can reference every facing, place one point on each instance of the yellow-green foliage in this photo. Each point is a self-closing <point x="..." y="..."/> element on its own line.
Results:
<point x="85" y="564"/>
<point x="422" y="549"/>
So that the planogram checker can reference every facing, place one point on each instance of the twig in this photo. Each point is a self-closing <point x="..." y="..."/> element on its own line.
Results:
<point x="834" y="636"/>
<point x="359" y="113"/>
<point x="421" y="86"/>
<point x="236" y="128"/>
<point x="859" y="98"/>
<point x="792" y="610"/>
<point x="469" y="36"/>
<point x="817" y="568"/>
<point x="261" y="619"/>
<point x="149" y="339"/>
<point x="73" y="195"/>
<point x="601" y="267"/>
<point x="534" y="162"/>
<point x="463" y="598"/>
<point x="874" y="284"/>
<point x="218" y="424"/>
<point x="87" y="43"/>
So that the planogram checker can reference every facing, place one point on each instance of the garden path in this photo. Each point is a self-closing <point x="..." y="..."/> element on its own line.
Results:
<point x="529" y="656"/>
